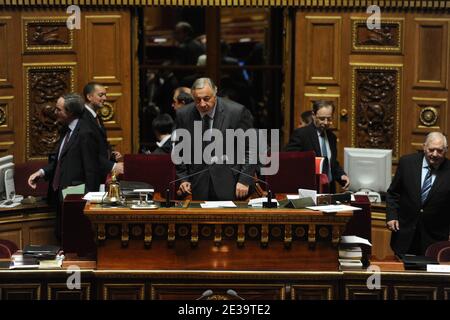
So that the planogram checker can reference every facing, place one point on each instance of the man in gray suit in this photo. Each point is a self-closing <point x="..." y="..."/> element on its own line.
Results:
<point x="228" y="180"/>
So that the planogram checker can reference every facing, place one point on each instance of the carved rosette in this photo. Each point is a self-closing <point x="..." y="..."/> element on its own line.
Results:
<point x="387" y="39"/>
<point x="428" y="116"/>
<point x="3" y="114"/>
<point x="106" y="112"/>
<point x="376" y="107"/>
<point x="48" y="34"/>
<point x="44" y="85"/>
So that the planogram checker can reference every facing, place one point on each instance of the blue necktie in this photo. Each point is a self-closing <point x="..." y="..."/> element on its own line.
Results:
<point x="324" y="151"/>
<point x="426" y="187"/>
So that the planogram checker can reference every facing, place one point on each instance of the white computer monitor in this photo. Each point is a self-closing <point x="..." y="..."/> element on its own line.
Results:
<point x="368" y="169"/>
<point x="6" y="175"/>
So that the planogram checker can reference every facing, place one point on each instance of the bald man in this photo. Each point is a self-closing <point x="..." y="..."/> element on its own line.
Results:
<point x="418" y="200"/>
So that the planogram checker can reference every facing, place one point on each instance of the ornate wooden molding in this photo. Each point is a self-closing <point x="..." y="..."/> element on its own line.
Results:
<point x="307" y="4"/>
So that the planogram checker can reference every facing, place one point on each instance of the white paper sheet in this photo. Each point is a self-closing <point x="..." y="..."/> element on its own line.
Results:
<point x="218" y="204"/>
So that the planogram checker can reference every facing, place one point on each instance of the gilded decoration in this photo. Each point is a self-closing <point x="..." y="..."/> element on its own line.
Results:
<point x="106" y="112"/>
<point x="376" y="107"/>
<point x="46" y="35"/>
<point x="3" y="114"/>
<point x="428" y="116"/>
<point x="44" y="85"/>
<point x="387" y="39"/>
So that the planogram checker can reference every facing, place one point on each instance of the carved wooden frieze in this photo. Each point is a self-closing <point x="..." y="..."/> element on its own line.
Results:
<point x="44" y="85"/>
<point x="375" y="105"/>
<point x="6" y="113"/>
<point x="387" y="39"/>
<point x="3" y="113"/>
<point x="46" y="35"/>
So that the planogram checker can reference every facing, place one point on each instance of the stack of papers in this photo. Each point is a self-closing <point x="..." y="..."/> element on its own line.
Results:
<point x="96" y="197"/>
<point x="218" y="204"/>
<point x="258" y="202"/>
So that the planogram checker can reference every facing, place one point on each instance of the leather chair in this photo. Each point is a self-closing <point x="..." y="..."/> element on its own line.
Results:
<point x="157" y="170"/>
<point x="440" y="251"/>
<point x="7" y="248"/>
<point x="296" y="170"/>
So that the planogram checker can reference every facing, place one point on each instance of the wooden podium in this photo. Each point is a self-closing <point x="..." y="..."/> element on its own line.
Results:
<point x="189" y="237"/>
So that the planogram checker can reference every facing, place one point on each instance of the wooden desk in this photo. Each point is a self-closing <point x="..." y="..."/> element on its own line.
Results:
<point x="192" y="238"/>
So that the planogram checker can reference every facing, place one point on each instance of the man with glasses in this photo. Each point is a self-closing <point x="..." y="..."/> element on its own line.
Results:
<point x="318" y="137"/>
<point x="418" y="200"/>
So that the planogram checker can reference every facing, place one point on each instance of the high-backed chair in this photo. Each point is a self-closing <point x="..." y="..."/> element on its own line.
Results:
<point x="440" y="251"/>
<point x="296" y="170"/>
<point x="21" y="173"/>
<point x="7" y="248"/>
<point x="157" y="170"/>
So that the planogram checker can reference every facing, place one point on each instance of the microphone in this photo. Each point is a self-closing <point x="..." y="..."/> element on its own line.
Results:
<point x="268" y="203"/>
<point x="168" y="203"/>
<point x="206" y="294"/>
<point x="234" y="294"/>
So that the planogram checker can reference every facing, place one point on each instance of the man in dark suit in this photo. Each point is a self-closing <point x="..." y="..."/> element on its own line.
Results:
<point x="418" y="199"/>
<point x="318" y="137"/>
<point x="163" y="126"/>
<point x="95" y="97"/>
<point x="74" y="161"/>
<point x="211" y="180"/>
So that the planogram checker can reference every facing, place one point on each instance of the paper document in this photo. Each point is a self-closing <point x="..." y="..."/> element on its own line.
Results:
<point x="258" y="202"/>
<point x="305" y="193"/>
<point x="79" y="189"/>
<point x="354" y="240"/>
<point x="218" y="204"/>
<point x="292" y="196"/>
<point x="334" y="208"/>
<point x="94" y="196"/>
<point x="438" y="268"/>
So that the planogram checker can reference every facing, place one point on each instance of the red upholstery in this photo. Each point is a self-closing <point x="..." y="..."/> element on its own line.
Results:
<point x="157" y="170"/>
<point x="21" y="173"/>
<point x="296" y="170"/>
<point x="440" y="251"/>
<point x="322" y="183"/>
<point x="7" y="248"/>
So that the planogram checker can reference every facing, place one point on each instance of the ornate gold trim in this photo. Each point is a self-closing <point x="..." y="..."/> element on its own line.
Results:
<point x="42" y="66"/>
<point x="6" y="113"/>
<point x="42" y="48"/>
<point x="349" y="287"/>
<point x="52" y="286"/>
<point x="108" y="286"/>
<point x="396" y="49"/>
<point x="33" y="286"/>
<point x="428" y="116"/>
<point x="416" y="289"/>
<point x="378" y="66"/>
<point x="329" y="289"/>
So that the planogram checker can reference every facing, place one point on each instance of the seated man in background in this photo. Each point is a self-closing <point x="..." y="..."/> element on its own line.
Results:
<point x="319" y="138"/>
<point x="181" y="97"/>
<point x="306" y="118"/>
<point x="163" y="126"/>
<point x="418" y="200"/>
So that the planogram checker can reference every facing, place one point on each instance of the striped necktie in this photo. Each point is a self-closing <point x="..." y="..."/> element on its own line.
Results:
<point x="426" y="187"/>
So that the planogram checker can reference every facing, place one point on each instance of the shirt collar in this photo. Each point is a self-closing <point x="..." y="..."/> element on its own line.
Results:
<point x="73" y="124"/>
<point x="88" y="107"/>
<point x="163" y="140"/>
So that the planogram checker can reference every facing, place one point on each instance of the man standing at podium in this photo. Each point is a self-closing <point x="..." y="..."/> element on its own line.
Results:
<point x="318" y="137"/>
<point x="214" y="180"/>
<point x="418" y="199"/>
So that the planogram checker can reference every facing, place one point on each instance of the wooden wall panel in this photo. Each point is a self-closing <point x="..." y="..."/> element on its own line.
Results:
<point x="5" y="51"/>
<point x="324" y="50"/>
<point x="432" y="53"/>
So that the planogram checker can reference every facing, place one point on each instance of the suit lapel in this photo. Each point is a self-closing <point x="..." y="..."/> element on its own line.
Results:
<point x="437" y="181"/>
<point x="72" y="138"/>
<point x="315" y="140"/>
<point x="417" y="176"/>
<point x="218" y="116"/>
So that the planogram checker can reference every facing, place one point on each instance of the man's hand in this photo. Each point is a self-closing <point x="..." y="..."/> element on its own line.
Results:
<point x="34" y="178"/>
<point x="117" y="155"/>
<point x="118" y="168"/>
<point x="185" y="187"/>
<point x="347" y="181"/>
<point x="241" y="190"/>
<point x="393" y="225"/>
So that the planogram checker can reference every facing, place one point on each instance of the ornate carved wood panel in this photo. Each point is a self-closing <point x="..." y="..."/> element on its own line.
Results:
<point x="361" y="292"/>
<point x="44" y="85"/>
<point x="5" y="51"/>
<point x="324" y="50"/>
<point x="133" y="291"/>
<point x="6" y="113"/>
<point x="415" y="293"/>
<point x="58" y="291"/>
<point x="376" y="107"/>
<point x="432" y="53"/>
<point x="20" y="291"/>
<point x="49" y="34"/>
<point x="388" y="39"/>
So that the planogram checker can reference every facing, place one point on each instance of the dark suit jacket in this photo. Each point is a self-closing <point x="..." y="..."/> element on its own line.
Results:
<point x="306" y="139"/>
<point x="166" y="148"/>
<point x="403" y="202"/>
<point x="228" y="115"/>
<point x="104" y="149"/>
<point x="78" y="161"/>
